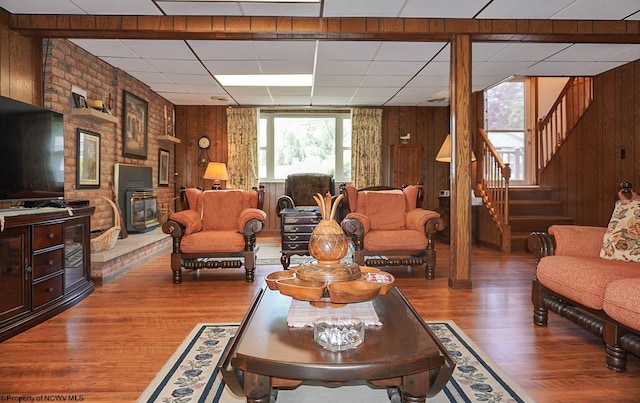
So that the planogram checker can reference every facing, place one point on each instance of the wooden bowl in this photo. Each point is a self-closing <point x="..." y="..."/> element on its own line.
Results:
<point x="277" y="275"/>
<point x="383" y="278"/>
<point x="301" y="289"/>
<point x="346" y="292"/>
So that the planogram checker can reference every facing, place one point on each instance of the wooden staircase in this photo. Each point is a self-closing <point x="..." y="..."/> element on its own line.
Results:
<point x="518" y="211"/>
<point x="531" y="208"/>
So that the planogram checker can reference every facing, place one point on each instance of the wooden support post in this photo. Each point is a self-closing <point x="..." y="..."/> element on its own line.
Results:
<point x="460" y="169"/>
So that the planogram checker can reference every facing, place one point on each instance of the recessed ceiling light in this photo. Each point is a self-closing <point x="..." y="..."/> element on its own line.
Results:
<point x="265" y="80"/>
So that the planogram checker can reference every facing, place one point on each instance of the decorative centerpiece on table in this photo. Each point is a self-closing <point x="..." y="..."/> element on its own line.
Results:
<point x="329" y="281"/>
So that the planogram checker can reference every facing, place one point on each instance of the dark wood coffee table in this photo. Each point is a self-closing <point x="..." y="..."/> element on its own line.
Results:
<point x="403" y="353"/>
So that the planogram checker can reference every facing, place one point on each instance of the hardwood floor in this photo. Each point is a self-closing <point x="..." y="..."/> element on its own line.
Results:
<point x="110" y="346"/>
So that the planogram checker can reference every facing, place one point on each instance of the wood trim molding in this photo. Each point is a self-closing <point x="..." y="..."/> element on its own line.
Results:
<point x="355" y="28"/>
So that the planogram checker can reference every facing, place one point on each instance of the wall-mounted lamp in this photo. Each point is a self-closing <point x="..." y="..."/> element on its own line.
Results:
<point x="216" y="171"/>
<point x="444" y="154"/>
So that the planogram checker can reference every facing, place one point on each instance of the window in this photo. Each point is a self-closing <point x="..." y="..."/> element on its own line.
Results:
<point x="304" y="142"/>
<point x="506" y="122"/>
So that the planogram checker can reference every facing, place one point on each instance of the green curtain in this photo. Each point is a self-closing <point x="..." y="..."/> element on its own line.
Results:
<point x="242" y="158"/>
<point x="366" y="147"/>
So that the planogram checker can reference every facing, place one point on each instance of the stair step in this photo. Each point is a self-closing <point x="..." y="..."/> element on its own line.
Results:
<point x="535" y="207"/>
<point x="527" y="224"/>
<point x="529" y="193"/>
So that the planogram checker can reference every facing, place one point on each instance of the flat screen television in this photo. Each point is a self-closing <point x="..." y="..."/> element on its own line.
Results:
<point x="31" y="152"/>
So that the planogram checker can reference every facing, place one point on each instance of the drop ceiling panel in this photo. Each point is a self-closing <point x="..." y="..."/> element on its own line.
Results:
<point x="539" y="9"/>
<point x="282" y="91"/>
<point x="105" y="47"/>
<point x="40" y="7"/>
<point x="394" y="81"/>
<point x="428" y="81"/>
<point x="280" y="50"/>
<point x="503" y="69"/>
<point x="117" y="7"/>
<point x="381" y="68"/>
<point x="152" y="77"/>
<point x="342" y="67"/>
<point x="583" y="52"/>
<point x="552" y="69"/>
<point x="347" y="50"/>
<point x="210" y="90"/>
<point x="200" y="8"/>
<point x="223" y="50"/>
<point x="629" y="54"/>
<point x="592" y="69"/>
<point x="233" y="67"/>
<point x="598" y="10"/>
<point x="281" y="9"/>
<point x="442" y="8"/>
<point x="528" y="52"/>
<point x="333" y="80"/>
<point x="362" y="8"/>
<point x="409" y="51"/>
<point x="158" y="87"/>
<point x="159" y="49"/>
<point x="191" y="79"/>
<point x="130" y="65"/>
<point x="177" y="66"/>
<point x="287" y="66"/>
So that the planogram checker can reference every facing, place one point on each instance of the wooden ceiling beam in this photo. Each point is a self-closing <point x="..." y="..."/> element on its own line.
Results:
<point x="309" y="28"/>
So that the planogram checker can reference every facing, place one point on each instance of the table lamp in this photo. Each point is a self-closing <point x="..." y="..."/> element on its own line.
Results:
<point x="216" y="171"/>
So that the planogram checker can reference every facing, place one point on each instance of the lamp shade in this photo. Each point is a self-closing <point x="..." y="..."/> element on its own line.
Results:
<point x="444" y="154"/>
<point x="216" y="171"/>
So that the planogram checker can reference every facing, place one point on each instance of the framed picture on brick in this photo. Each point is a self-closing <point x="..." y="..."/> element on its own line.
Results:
<point x="88" y="159"/>
<point x="134" y="132"/>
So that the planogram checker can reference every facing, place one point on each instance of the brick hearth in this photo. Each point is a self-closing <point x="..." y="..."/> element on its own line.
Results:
<point x="129" y="253"/>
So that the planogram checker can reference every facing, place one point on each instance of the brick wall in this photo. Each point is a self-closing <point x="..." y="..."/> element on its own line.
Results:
<point x="67" y="65"/>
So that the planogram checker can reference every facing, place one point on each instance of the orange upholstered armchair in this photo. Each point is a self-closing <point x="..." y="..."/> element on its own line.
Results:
<point x="390" y="224"/>
<point x="216" y="227"/>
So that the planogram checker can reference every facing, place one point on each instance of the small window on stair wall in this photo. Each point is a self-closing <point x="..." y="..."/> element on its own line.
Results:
<point x="507" y="119"/>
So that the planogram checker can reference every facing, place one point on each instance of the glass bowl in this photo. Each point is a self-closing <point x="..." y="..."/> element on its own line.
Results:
<point x="335" y="333"/>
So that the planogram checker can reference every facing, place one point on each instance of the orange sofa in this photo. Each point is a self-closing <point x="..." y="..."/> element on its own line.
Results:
<point x="217" y="229"/>
<point x="601" y="295"/>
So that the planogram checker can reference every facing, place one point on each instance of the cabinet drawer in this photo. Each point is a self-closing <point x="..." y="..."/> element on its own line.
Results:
<point x="47" y="291"/>
<point x="45" y="236"/>
<point x="292" y="237"/>
<point x="47" y="263"/>
<point x="296" y="219"/>
<point x="295" y="246"/>
<point x="297" y="229"/>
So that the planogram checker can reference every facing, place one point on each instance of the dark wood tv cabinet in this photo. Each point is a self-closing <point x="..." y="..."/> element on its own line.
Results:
<point x="45" y="264"/>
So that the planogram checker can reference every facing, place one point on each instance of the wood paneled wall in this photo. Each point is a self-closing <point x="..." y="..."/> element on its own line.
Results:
<point x="20" y="65"/>
<point x="586" y="172"/>
<point x="428" y="126"/>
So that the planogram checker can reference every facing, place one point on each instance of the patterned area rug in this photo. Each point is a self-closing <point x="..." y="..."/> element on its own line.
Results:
<point x="269" y="253"/>
<point x="191" y="374"/>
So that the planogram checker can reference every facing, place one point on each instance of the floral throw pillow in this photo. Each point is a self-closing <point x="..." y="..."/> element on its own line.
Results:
<point x="622" y="238"/>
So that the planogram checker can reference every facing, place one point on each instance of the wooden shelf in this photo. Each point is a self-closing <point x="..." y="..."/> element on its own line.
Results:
<point x="93" y="114"/>
<point x="173" y="139"/>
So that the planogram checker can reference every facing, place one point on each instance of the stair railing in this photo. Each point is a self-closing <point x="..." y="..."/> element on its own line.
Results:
<point x="493" y="187"/>
<point x="553" y="128"/>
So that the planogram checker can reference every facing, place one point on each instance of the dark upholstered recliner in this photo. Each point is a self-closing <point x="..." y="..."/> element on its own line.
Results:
<point x="216" y="230"/>
<point x="390" y="224"/>
<point x="299" y="189"/>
